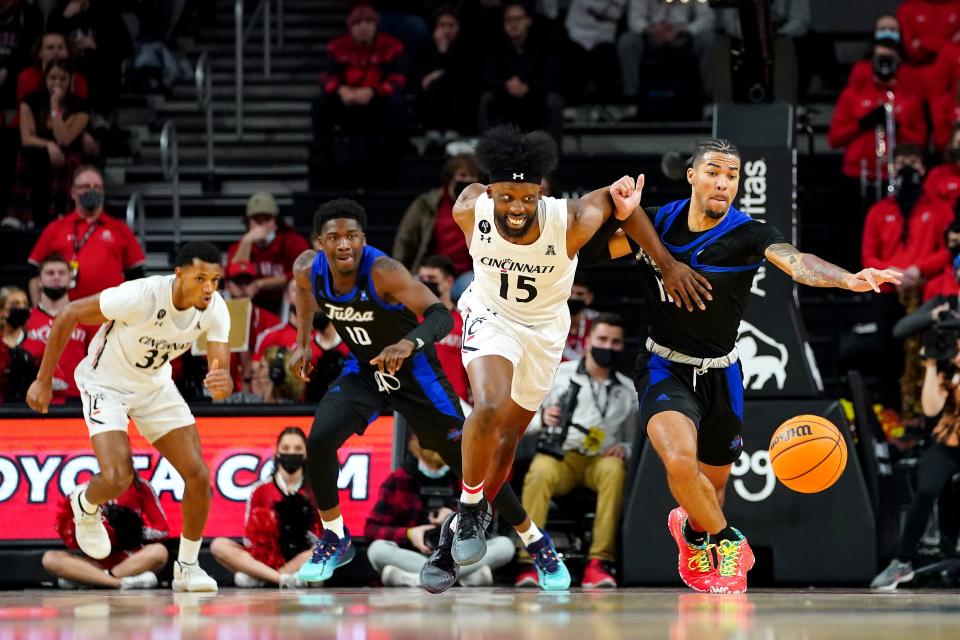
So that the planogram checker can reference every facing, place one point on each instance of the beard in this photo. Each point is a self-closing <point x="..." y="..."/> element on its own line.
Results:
<point x="511" y="232"/>
<point x="715" y="215"/>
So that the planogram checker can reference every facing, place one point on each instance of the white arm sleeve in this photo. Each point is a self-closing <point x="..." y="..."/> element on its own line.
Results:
<point x="219" y="330"/>
<point x="131" y="302"/>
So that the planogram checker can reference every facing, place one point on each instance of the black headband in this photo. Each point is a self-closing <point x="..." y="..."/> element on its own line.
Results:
<point x="515" y="176"/>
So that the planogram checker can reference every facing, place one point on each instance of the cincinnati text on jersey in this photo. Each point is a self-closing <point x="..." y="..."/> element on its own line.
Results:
<point x="348" y="314"/>
<point x="163" y="344"/>
<point x="508" y="264"/>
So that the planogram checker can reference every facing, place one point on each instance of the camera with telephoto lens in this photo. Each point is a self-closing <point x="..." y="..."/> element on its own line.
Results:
<point x="434" y="498"/>
<point x="940" y="343"/>
<point x="552" y="438"/>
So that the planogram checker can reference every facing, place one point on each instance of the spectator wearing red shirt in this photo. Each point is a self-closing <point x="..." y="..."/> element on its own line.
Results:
<point x="239" y="278"/>
<point x="102" y="251"/>
<point x="134" y="521"/>
<point x="271" y="246"/>
<point x="362" y="84"/>
<point x="280" y="526"/>
<point x="581" y="317"/>
<point x="945" y="283"/>
<point x="943" y="181"/>
<point x="14" y="360"/>
<point x="404" y="527"/>
<point x="886" y="31"/>
<point x="903" y="232"/>
<point x="860" y="110"/>
<point x="437" y="273"/>
<point x="52" y="46"/>
<point x="927" y="27"/>
<point x="54" y="284"/>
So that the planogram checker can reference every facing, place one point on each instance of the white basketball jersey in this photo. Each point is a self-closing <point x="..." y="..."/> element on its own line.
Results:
<point x="529" y="284"/>
<point x="133" y="351"/>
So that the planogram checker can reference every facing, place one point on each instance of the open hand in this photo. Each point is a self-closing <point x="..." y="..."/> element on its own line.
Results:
<point x="687" y="287"/>
<point x="871" y="279"/>
<point x="392" y="357"/>
<point x="415" y="536"/>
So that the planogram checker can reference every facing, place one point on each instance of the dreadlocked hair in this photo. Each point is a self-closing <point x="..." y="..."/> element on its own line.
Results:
<point x="507" y="148"/>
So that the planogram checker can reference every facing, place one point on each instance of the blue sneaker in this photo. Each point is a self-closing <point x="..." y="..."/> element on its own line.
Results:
<point x="551" y="571"/>
<point x="331" y="553"/>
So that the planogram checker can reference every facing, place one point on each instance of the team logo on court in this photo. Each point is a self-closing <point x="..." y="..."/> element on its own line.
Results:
<point x="762" y="358"/>
<point x="550" y="250"/>
<point x="484" y="226"/>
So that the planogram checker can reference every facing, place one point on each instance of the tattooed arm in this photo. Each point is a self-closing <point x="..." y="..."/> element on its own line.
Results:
<point x="810" y="270"/>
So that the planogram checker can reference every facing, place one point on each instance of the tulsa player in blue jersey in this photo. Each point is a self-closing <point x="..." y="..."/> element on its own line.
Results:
<point x="689" y="381"/>
<point x="373" y="302"/>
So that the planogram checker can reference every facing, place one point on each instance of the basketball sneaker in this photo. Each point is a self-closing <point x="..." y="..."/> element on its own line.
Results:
<point x="145" y="580"/>
<point x="92" y="536"/>
<point x="695" y="562"/>
<point x="243" y="580"/>
<point x="552" y="574"/>
<point x="331" y="553"/>
<point x="469" y="540"/>
<point x="596" y="576"/>
<point x="526" y="579"/>
<point x="895" y="573"/>
<point x="191" y="578"/>
<point x="734" y="560"/>
<point x="441" y="571"/>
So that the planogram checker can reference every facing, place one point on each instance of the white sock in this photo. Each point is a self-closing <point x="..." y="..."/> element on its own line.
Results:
<point x="471" y="495"/>
<point x="85" y="505"/>
<point x="189" y="551"/>
<point x="335" y="525"/>
<point x="531" y="535"/>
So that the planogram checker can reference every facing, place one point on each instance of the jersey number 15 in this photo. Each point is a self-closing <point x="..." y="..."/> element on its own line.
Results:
<point x="523" y="282"/>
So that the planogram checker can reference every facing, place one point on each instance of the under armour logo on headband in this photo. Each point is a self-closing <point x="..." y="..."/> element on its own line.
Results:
<point x="518" y="176"/>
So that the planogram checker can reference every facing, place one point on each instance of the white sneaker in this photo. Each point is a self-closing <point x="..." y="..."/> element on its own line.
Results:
<point x="145" y="580"/>
<point x="392" y="576"/>
<point x="243" y="580"/>
<point x="65" y="583"/>
<point x="192" y="578"/>
<point x="291" y="581"/>
<point x="482" y="577"/>
<point x="92" y="536"/>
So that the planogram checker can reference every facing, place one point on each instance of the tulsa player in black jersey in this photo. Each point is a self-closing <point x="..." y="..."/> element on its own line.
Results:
<point x="373" y="302"/>
<point x="689" y="381"/>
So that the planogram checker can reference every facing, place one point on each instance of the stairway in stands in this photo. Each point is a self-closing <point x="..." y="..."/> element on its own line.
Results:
<point x="270" y="155"/>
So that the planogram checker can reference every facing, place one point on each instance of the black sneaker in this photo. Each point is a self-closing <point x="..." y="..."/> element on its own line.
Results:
<point x="469" y="542"/>
<point x="441" y="572"/>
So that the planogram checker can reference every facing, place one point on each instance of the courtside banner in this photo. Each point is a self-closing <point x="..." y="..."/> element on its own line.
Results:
<point x="43" y="459"/>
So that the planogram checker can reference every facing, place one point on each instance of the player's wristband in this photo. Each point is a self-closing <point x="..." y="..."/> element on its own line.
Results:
<point x="437" y="323"/>
<point x="596" y="249"/>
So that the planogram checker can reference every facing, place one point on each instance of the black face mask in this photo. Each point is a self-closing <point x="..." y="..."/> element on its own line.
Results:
<point x="575" y="305"/>
<point x="18" y="317"/>
<point x="90" y="200"/>
<point x="909" y="185"/>
<point x="291" y="462"/>
<point x="433" y="286"/>
<point x="954" y="154"/>
<point x="54" y="293"/>
<point x="458" y="188"/>
<point x="606" y="358"/>
<point x="885" y="68"/>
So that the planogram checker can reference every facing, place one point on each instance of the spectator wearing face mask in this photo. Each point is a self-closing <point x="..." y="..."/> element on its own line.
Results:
<point x="271" y="246"/>
<point x="886" y="32"/>
<point x="101" y="250"/>
<point x="280" y="525"/>
<point x="607" y="408"/>
<point x="581" y="317"/>
<point x="437" y="273"/>
<point x="14" y="312"/>
<point x="54" y="284"/>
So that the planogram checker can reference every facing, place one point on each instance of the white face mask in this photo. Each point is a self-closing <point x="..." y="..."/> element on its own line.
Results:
<point x="270" y="238"/>
<point x="433" y="474"/>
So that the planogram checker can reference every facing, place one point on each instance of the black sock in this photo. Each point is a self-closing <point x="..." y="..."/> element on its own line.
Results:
<point x="696" y="538"/>
<point x="727" y="533"/>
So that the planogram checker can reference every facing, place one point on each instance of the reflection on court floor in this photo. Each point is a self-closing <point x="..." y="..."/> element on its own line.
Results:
<point x="478" y="614"/>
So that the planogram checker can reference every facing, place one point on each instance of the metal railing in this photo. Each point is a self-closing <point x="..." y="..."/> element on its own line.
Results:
<point x="241" y="34"/>
<point x="137" y="218"/>
<point x="170" y="162"/>
<point x="203" y="79"/>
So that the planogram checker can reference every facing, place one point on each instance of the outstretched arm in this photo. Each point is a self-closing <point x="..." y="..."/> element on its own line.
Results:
<point x="810" y="270"/>
<point x="463" y="208"/>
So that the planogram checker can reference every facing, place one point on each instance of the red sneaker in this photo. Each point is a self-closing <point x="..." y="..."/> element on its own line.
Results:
<point x="734" y="559"/>
<point x="695" y="564"/>
<point x="595" y="576"/>
<point x="527" y="578"/>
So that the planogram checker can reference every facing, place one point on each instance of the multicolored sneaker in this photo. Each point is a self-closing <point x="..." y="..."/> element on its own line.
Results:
<point x="695" y="563"/>
<point x="551" y="572"/>
<point x="331" y="553"/>
<point x="734" y="560"/>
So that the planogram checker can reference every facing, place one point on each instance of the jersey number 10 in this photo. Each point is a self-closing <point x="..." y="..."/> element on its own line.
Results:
<point x="358" y="335"/>
<point x="523" y="282"/>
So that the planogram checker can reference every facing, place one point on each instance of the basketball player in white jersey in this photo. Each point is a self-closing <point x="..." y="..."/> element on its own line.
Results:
<point x="524" y="248"/>
<point x="146" y="323"/>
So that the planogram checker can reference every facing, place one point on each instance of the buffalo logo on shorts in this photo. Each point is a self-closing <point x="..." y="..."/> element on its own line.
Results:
<point x="484" y="226"/>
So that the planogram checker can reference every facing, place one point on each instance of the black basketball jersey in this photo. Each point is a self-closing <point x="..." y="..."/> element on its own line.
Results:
<point x="364" y="322"/>
<point x="728" y="256"/>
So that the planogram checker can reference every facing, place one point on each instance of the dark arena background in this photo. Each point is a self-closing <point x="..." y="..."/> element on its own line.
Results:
<point x="128" y="129"/>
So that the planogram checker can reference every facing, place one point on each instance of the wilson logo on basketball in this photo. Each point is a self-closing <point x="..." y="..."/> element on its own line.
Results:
<point x="792" y="432"/>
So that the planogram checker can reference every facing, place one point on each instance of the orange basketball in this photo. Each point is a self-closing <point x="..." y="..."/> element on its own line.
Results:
<point x="808" y="453"/>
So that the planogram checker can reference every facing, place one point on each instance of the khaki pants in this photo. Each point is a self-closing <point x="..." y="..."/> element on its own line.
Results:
<point x="550" y="477"/>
